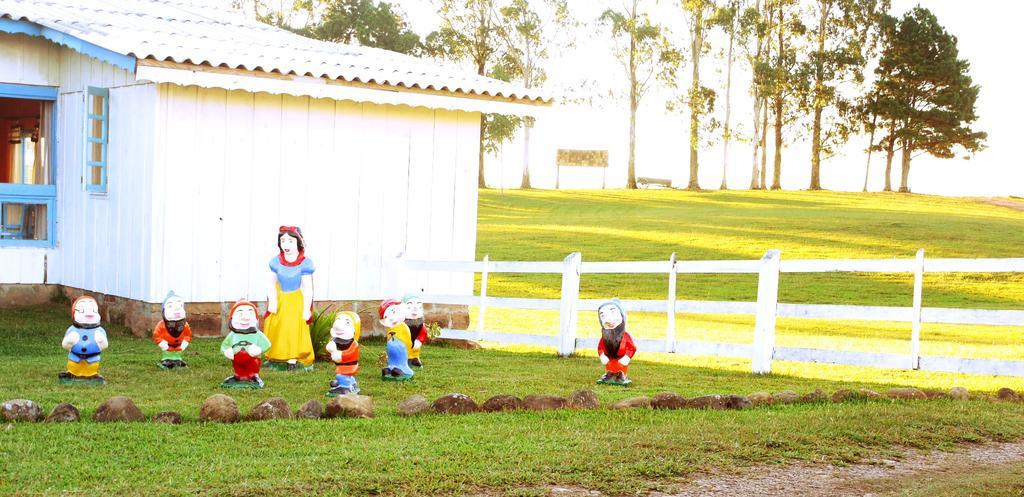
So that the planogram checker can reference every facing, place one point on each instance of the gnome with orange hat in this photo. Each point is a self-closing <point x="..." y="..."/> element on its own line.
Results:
<point x="172" y="333"/>
<point x="392" y="316"/>
<point x="244" y="345"/>
<point x="84" y="340"/>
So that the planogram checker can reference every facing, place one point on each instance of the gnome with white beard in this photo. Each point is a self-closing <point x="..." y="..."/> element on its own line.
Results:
<point x="616" y="347"/>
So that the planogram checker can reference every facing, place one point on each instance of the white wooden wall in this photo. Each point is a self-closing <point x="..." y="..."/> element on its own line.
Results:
<point x="365" y="182"/>
<point x="101" y="239"/>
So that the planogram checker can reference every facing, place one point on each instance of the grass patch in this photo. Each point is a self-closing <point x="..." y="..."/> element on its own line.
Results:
<point x="652" y="224"/>
<point x="617" y="452"/>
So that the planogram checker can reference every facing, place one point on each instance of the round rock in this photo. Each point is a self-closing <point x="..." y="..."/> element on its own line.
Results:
<point x="417" y="404"/>
<point x="760" y="398"/>
<point x="708" y="402"/>
<point x="454" y="403"/>
<point x="272" y="408"/>
<point x="64" y="413"/>
<point x="21" y="410"/>
<point x="500" y="403"/>
<point x="668" y="400"/>
<point x="583" y="399"/>
<point x="818" y="395"/>
<point x="1006" y="394"/>
<point x="959" y="393"/>
<point x="544" y="402"/>
<point x="169" y="417"/>
<point x="220" y="408"/>
<point x="635" y="402"/>
<point x="312" y="409"/>
<point x="906" y="394"/>
<point x="118" y="408"/>
<point x="350" y="406"/>
<point x="785" y="397"/>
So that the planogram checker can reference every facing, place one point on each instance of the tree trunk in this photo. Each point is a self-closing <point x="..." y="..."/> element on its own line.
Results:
<point x="482" y="183"/>
<point x="631" y="170"/>
<point x="695" y="47"/>
<point x="764" y="146"/>
<point x="777" y="173"/>
<point x="728" y="109"/>
<point x="757" y="142"/>
<point x="819" y="90"/>
<point x="871" y="147"/>
<point x="907" y="150"/>
<point x="527" y="126"/>
<point x="890" y="150"/>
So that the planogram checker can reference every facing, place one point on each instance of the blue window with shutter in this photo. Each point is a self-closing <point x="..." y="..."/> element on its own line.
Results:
<point x="28" y="193"/>
<point x="97" y="127"/>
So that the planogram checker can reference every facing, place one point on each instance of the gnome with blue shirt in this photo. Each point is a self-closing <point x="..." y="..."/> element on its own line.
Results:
<point x="84" y="340"/>
<point x="392" y="316"/>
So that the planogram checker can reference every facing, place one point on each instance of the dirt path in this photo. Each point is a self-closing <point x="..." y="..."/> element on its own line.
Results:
<point x="1017" y="205"/>
<point x="804" y="480"/>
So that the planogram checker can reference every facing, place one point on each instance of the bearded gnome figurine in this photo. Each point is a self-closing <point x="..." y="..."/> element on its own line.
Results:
<point x="616" y="348"/>
<point x="344" y="351"/>
<point x="172" y="334"/>
<point x="84" y="340"/>
<point x="392" y="316"/>
<point x="244" y="345"/>
<point x="417" y="328"/>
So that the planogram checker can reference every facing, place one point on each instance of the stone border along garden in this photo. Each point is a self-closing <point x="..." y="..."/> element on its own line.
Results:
<point x="223" y="409"/>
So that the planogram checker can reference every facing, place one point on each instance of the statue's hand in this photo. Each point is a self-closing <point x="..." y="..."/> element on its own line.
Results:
<point x="163" y="345"/>
<point x="604" y="359"/>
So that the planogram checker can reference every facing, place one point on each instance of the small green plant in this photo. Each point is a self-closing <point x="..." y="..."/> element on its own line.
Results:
<point x="433" y="330"/>
<point x="320" y="330"/>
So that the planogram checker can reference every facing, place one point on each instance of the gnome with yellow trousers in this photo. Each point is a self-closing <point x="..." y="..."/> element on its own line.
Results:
<point x="84" y="340"/>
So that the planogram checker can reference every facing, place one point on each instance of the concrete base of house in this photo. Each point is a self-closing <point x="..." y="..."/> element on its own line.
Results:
<point x="205" y="318"/>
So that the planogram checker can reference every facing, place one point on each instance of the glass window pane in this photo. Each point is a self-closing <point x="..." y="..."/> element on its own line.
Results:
<point x="96" y="152"/>
<point x="96" y="129"/>
<point x="97" y="175"/>
<point x="97" y="105"/>
<point x="23" y="221"/>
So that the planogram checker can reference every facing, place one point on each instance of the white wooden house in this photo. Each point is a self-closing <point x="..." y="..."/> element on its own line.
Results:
<point x="154" y="145"/>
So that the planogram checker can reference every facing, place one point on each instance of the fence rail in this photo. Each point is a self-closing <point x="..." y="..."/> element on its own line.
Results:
<point x="766" y="309"/>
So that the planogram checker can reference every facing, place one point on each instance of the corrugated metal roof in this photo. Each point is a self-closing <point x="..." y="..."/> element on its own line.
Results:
<point x="183" y="32"/>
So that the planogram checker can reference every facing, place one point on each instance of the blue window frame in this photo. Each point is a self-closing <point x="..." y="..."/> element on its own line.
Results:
<point x="97" y="127"/>
<point x="28" y="215"/>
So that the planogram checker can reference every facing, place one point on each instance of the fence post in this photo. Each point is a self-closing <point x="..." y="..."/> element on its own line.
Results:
<point x="570" y="303"/>
<point x="670" y="328"/>
<point x="915" y="319"/>
<point x="482" y="309"/>
<point x="767" y="306"/>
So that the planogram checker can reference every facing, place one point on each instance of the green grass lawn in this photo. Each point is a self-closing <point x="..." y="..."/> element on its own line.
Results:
<point x="650" y="225"/>
<point x="616" y="452"/>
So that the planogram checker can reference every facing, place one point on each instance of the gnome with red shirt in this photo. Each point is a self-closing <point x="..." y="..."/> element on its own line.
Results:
<point x="616" y="347"/>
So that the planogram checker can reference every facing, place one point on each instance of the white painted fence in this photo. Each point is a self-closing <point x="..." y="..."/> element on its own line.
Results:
<point x="766" y="309"/>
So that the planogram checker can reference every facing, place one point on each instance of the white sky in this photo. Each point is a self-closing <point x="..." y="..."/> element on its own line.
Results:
<point x="982" y="26"/>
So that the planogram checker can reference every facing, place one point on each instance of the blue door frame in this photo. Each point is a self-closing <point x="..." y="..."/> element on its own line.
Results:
<point x="35" y="194"/>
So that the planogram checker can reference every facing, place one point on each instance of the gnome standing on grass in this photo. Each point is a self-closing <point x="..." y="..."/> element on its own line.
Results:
<point x="392" y="316"/>
<point x="616" y="348"/>
<point x="243" y="346"/>
<point x="84" y="340"/>
<point x="172" y="333"/>
<point x="344" y="350"/>
<point x="417" y="328"/>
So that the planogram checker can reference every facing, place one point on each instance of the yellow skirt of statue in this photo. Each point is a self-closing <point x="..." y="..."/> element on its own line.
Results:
<point x="287" y="331"/>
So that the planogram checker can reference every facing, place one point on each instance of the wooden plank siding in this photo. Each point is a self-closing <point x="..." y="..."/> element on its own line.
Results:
<point x="237" y="165"/>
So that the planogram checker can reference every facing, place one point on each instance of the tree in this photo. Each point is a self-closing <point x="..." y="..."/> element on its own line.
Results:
<point x="925" y="91"/>
<point x="782" y="79"/>
<point x="700" y="99"/>
<point x="367" y="23"/>
<point x="839" y="31"/>
<point x="469" y="32"/>
<point x="755" y="27"/>
<point x="528" y="38"/>
<point x="867" y="112"/>
<point x="727" y="17"/>
<point x="641" y="48"/>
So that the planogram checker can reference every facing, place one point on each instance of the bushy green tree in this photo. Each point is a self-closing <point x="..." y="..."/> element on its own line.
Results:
<point x="924" y="90"/>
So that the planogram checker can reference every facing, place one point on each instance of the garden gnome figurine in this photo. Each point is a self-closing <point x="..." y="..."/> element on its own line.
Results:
<point x="84" y="340"/>
<point x="417" y="328"/>
<point x="244" y="345"/>
<point x="616" y="348"/>
<point x="392" y="316"/>
<point x="344" y="350"/>
<point x="290" y="304"/>
<point x="172" y="334"/>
